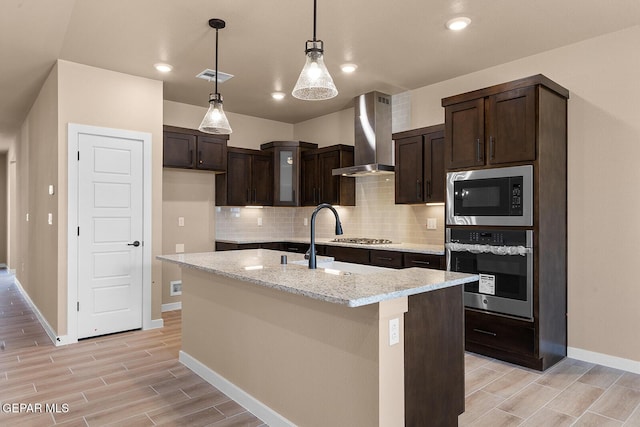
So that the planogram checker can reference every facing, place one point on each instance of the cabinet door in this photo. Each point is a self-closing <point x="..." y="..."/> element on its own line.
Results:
<point x="238" y="179"/>
<point x="434" y="174"/>
<point x="409" y="170"/>
<point x="329" y="185"/>
<point x="308" y="182"/>
<point x="178" y="150"/>
<point x="286" y="176"/>
<point x="211" y="154"/>
<point x="261" y="192"/>
<point x="464" y="135"/>
<point x="511" y="121"/>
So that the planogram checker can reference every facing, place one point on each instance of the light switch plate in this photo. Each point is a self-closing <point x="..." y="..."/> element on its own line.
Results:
<point x="52" y="190"/>
<point x="431" y="223"/>
<point x="50" y="218"/>
<point x="180" y="221"/>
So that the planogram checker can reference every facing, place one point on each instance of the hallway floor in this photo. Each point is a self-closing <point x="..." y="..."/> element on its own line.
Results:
<point x="135" y="379"/>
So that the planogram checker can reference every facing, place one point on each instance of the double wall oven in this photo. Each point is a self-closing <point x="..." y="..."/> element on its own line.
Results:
<point x="489" y="216"/>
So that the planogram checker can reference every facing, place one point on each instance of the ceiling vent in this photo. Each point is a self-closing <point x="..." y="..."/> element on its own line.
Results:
<point x="210" y="76"/>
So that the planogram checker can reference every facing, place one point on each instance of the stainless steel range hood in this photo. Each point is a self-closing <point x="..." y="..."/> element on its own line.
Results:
<point x="373" y="148"/>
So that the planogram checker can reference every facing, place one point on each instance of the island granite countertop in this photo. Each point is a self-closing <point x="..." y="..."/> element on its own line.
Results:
<point x="369" y="285"/>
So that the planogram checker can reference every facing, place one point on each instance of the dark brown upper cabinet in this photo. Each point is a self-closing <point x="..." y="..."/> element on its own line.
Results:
<point x="319" y="185"/>
<point x="248" y="181"/>
<point x="191" y="149"/>
<point x="286" y="170"/>
<point x="419" y="169"/>
<point x="496" y="125"/>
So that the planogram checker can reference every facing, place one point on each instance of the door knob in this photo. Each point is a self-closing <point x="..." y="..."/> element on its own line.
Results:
<point x="136" y="244"/>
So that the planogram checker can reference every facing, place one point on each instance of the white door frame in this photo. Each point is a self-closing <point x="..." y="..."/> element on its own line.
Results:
<point x="74" y="130"/>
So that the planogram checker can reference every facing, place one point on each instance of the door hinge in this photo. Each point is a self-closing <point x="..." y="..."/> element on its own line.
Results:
<point x="78" y="306"/>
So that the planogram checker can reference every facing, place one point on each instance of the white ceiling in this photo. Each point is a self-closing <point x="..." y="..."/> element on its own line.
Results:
<point x="398" y="45"/>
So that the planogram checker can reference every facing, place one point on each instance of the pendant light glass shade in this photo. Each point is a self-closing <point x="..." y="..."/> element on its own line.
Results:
<point x="215" y="121"/>
<point x="315" y="82"/>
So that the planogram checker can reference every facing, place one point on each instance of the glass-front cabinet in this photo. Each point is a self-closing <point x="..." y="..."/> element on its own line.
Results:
<point x="286" y="156"/>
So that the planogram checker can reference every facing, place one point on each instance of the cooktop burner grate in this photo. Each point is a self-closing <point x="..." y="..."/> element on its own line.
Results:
<point x="362" y="241"/>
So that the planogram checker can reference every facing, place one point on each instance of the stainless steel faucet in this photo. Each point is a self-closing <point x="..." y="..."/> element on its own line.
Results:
<point x="312" y="248"/>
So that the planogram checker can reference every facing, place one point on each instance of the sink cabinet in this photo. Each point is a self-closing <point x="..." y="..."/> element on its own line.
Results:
<point x="419" y="168"/>
<point x="190" y="149"/>
<point x="319" y="185"/>
<point x="248" y="181"/>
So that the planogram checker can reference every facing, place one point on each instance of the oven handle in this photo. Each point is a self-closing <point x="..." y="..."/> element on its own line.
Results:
<point x="487" y="249"/>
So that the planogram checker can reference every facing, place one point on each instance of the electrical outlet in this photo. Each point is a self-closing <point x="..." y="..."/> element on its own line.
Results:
<point x="306" y="221"/>
<point x="259" y="221"/>
<point x="180" y="221"/>
<point x="394" y="331"/>
<point x="50" y="218"/>
<point x="179" y="248"/>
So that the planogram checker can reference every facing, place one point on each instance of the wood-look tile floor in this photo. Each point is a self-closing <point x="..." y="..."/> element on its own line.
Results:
<point x="128" y="379"/>
<point x="135" y="379"/>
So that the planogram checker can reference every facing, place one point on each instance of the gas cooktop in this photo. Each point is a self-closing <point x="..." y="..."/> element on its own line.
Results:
<point x="362" y="241"/>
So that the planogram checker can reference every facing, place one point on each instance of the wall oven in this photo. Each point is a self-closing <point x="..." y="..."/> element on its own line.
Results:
<point x="504" y="261"/>
<point x="497" y="196"/>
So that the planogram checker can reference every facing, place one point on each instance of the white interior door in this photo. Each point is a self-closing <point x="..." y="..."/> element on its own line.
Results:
<point x="110" y="219"/>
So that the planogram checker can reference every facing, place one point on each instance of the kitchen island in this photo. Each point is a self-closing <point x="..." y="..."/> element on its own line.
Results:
<point x="328" y="346"/>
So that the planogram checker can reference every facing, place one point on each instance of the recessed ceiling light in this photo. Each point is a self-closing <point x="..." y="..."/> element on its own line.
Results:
<point x="162" y="67"/>
<point x="457" y="24"/>
<point x="348" y="68"/>
<point x="278" y="95"/>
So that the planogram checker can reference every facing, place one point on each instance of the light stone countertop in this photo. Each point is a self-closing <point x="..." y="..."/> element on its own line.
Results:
<point x="401" y="247"/>
<point x="262" y="267"/>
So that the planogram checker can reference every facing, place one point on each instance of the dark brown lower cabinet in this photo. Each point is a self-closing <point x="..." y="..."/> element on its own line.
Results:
<point x="347" y="254"/>
<point x="434" y="358"/>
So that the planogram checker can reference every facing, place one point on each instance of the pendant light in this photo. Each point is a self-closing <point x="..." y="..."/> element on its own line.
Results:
<point x="315" y="82"/>
<point x="215" y="121"/>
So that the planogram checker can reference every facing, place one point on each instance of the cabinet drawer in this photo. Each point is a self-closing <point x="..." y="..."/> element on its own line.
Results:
<point x="423" y="261"/>
<point x="295" y="247"/>
<point x="386" y="258"/>
<point x="499" y="332"/>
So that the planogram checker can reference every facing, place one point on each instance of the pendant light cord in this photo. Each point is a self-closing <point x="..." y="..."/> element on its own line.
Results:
<point x="216" y="84"/>
<point x="314" y="19"/>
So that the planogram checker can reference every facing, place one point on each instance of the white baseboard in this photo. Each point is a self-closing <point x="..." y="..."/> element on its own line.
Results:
<point x="604" y="359"/>
<point x="154" y="324"/>
<point x="55" y="339"/>
<point x="172" y="306"/>
<point x="250" y="403"/>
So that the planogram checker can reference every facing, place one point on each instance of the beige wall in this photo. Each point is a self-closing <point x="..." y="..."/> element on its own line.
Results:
<point x="335" y="128"/>
<point x="73" y="93"/>
<point x="4" y="199"/>
<point x="338" y="370"/>
<point x="190" y="195"/>
<point x="97" y="97"/>
<point x="36" y="260"/>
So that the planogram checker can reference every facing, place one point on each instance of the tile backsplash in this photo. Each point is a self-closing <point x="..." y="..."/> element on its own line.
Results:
<point x="375" y="215"/>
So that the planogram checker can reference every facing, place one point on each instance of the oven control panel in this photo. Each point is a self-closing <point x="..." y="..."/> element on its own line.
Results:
<point x="489" y="237"/>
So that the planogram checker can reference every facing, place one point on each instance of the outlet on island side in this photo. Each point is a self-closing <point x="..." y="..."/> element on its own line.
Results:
<point x="394" y="331"/>
<point x="431" y="224"/>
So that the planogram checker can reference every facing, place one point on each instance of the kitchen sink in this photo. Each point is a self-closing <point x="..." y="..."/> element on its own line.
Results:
<point x="343" y="268"/>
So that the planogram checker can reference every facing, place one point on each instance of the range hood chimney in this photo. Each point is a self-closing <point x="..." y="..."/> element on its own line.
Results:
<point x="373" y="148"/>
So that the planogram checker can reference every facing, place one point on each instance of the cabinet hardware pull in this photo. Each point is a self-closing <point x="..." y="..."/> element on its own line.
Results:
<point x="421" y="262"/>
<point x="384" y="258"/>
<point x="493" y="334"/>
<point x="200" y="157"/>
<point x="292" y="249"/>
<point x="255" y="195"/>
<point x="418" y="189"/>
<point x="428" y="189"/>
<point x="478" y="150"/>
<point x="492" y="151"/>
<point x="248" y="195"/>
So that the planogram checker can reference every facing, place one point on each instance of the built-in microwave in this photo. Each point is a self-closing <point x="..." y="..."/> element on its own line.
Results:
<point x="497" y="196"/>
